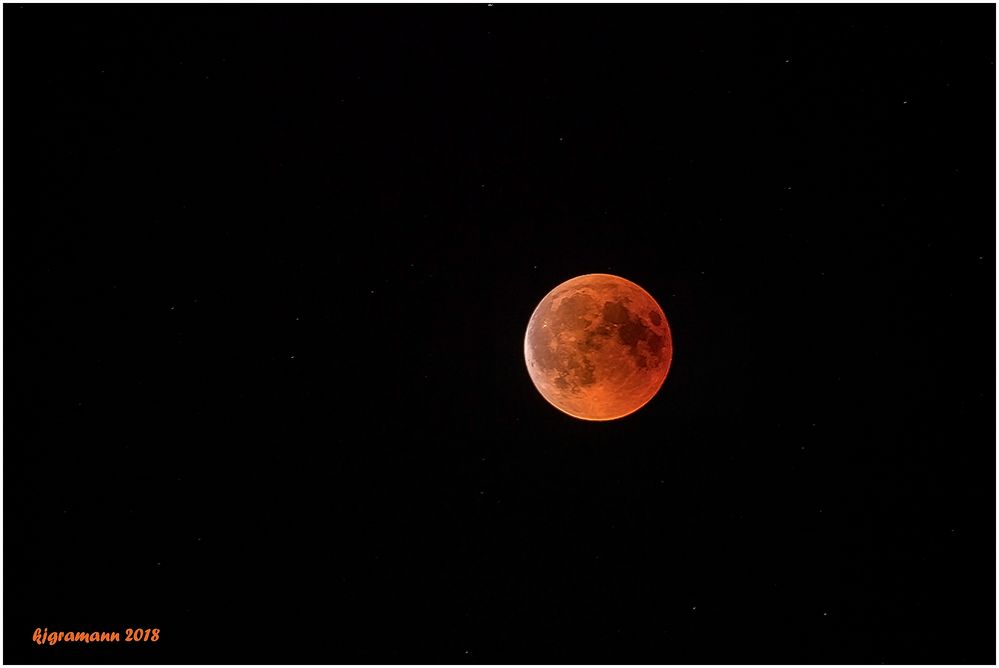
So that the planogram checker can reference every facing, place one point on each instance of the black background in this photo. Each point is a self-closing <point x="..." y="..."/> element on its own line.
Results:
<point x="268" y="271"/>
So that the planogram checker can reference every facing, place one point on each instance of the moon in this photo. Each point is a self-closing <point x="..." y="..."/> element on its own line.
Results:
<point x="598" y="347"/>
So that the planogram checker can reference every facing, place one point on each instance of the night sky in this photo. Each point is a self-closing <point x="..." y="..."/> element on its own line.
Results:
<point x="268" y="273"/>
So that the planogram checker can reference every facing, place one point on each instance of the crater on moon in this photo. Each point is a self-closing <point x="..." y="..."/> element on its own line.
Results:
<point x="598" y="347"/>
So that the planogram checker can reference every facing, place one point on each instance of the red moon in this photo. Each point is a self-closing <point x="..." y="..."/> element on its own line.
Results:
<point x="598" y="347"/>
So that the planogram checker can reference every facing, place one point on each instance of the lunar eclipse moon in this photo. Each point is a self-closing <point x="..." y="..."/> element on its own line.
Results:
<point x="598" y="347"/>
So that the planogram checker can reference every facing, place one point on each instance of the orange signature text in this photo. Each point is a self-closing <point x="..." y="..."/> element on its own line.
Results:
<point x="46" y="637"/>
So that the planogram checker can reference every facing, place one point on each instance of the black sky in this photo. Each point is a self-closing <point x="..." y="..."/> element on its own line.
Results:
<point x="268" y="270"/>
